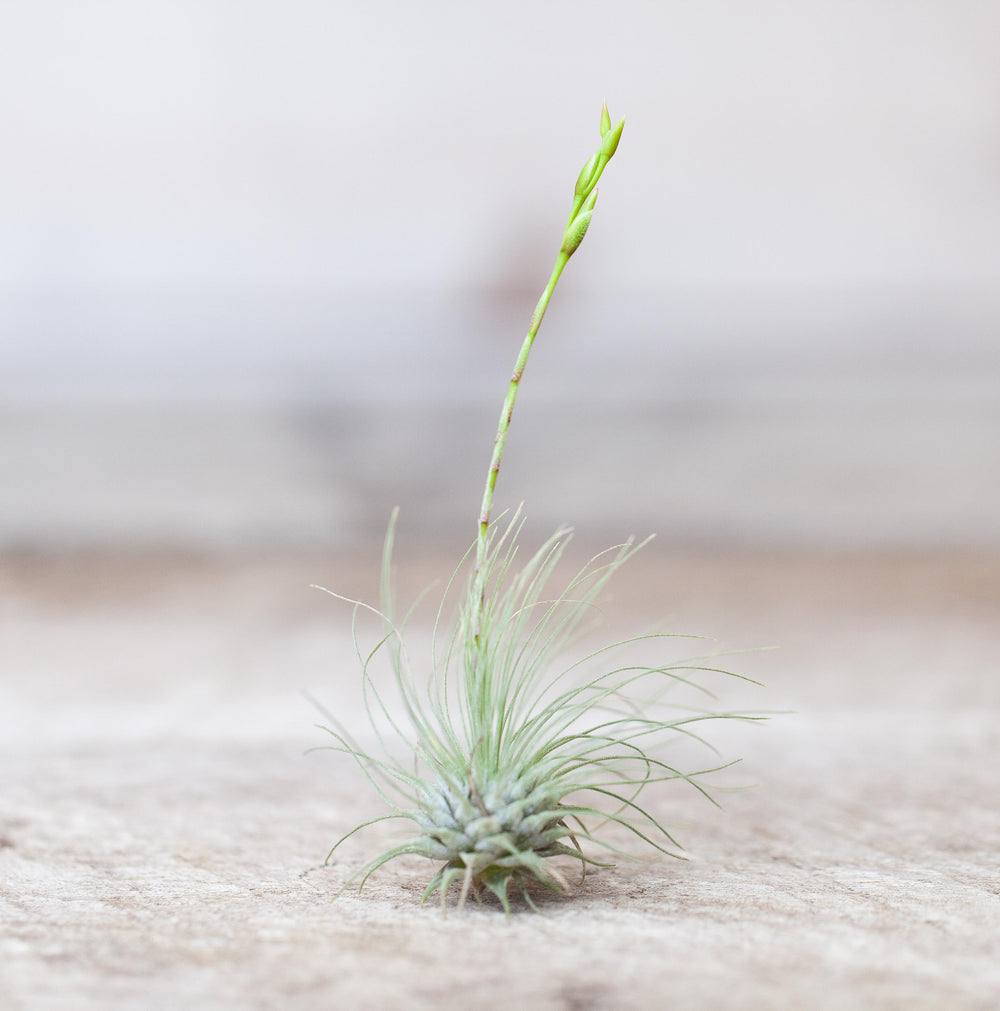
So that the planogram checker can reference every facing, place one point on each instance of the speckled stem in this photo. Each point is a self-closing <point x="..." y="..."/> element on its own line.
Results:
<point x="501" y="437"/>
<point x="585" y="197"/>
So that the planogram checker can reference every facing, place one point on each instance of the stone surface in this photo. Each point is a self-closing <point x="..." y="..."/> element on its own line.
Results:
<point x="162" y="835"/>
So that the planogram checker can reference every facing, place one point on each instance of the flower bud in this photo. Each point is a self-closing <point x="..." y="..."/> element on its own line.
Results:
<point x="605" y="119"/>
<point x="575" y="233"/>
<point x="610" y="143"/>
<point x="586" y="173"/>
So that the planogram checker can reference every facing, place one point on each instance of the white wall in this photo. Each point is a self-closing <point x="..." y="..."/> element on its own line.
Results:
<point x="783" y="324"/>
<point x="202" y="196"/>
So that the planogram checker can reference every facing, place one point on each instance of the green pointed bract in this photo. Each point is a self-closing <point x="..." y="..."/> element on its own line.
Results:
<point x="575" y="233"/>
<point x="605" y="119"/>
<point x="509" y="756"/>
<point x="609" y="142"/>
<point x="586" y="174"/>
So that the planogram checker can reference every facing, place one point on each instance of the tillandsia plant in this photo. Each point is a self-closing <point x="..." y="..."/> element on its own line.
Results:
<point x="515" y="756"/>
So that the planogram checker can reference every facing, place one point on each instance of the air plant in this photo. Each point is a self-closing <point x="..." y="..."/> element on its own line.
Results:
<point x="514" y="755"/>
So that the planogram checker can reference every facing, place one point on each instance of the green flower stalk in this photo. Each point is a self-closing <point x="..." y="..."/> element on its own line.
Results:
<point x="584" y="201"/>
<point x="508" y="755"/>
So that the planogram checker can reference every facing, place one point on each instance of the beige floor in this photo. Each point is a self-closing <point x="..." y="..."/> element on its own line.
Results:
<point x="162" y="834"/>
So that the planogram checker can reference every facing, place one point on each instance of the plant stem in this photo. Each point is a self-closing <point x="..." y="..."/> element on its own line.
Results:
<point x="585" y="197"/>
<point x="501" y="437"/>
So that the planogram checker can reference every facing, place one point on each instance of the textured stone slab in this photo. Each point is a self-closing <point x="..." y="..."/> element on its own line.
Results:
<point x="162" y="834"/>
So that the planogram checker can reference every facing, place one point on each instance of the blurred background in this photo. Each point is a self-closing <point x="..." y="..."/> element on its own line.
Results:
<point x="264" y="269"/>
